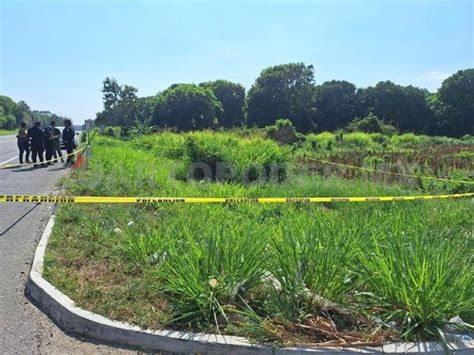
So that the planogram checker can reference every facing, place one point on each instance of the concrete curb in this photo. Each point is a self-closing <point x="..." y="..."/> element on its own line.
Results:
<point x="74" y="320"/>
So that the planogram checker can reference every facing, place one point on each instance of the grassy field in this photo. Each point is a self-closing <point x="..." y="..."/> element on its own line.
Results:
<point x="284" y="273"/>
<point x="4" y="132"/>
<point x="440" y="157"/>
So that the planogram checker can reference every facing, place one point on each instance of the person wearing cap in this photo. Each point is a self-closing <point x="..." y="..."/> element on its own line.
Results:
<point x="36" y="137"/>
<point x="23" y="143"/>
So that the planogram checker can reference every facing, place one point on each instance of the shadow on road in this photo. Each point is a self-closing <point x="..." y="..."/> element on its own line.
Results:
<point x="22" y="170"/>
<point x="58" y="168"/>
<point x="18" y="220"/>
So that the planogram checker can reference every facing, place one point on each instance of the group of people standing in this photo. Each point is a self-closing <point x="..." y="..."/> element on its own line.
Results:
<point x="37" y="140"/>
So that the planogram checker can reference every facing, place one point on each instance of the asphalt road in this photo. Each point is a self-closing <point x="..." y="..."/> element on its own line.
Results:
<point x="23" y="328"/>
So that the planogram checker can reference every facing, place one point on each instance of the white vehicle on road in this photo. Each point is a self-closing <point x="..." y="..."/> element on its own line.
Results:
<point x="61" y="128"/>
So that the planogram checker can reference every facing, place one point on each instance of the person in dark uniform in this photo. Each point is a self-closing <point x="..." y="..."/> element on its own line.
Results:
<point x="56" y="143"/>
<point x="23" y="143"/>
<point x="69" y="141"/>
<point x="48" y="144"/>
<point x="36" y="136"/>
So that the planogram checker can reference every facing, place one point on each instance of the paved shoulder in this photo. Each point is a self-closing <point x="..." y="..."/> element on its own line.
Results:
<point x="23" y="328"/>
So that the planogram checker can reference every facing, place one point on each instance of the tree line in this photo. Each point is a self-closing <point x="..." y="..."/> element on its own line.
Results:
<point x="289" y="91"/>
<point x="12" y="114"/>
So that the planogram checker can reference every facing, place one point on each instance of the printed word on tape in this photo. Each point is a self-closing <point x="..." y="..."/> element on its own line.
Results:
<point x="144" y="200"/>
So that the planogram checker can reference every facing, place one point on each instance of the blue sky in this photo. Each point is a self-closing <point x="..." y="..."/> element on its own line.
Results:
<point x="55" y="54"/>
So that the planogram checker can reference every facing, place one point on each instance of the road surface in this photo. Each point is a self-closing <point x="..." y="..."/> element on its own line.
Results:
<point x="23" y="328"/>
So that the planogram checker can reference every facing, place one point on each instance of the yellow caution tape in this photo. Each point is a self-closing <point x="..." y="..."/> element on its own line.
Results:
<point x="144" y="200"/>
<point x="388" y="172"/>
<point x="9" y="166"/>
<point x="336" y="164"/>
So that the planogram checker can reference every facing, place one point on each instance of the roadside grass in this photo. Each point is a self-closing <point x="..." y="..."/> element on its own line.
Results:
<point x="285" y="273"/>
<point x="6" y="132"/>
<point x="419" y="277"/>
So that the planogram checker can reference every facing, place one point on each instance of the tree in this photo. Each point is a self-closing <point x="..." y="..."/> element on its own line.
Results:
<point x="231" y="96"/>
<point x="7" y="120"/>
<point x="23" y="113"/>
<point x="145" y="107"/>
<point x="285" y="90"/>
<point x="455" y="106"/>
<point x="46" y="116"/>
<point x="336" y="104"/>
<point x="186" y="107"/>
<point x="127" y="95"/>
<point x="418" y="116"/>
<point x="119" y="104"/>
<point x="8" y="108"/>
<point x="101" y="119"/>
<point x="111" y="93"/>
<point x="126" y="106"/>
<point x="406" y="108"/>
<point x="12" y="114"/>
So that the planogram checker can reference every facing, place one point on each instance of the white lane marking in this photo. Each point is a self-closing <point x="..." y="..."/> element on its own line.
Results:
<point x="6" y="161"/>
<point x="8" y="141"/>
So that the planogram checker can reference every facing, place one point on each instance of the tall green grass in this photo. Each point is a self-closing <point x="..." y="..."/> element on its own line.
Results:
<point x="239" y="155"/>
<point x="419" y="279"/>
<point x="253" y="268"/>
<point x="206" y="276"/>
<point x="5" y="132"/>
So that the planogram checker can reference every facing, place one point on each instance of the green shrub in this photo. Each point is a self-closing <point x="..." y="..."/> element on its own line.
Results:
<point x="459" y="175"/>
<point x="167" y="144"/>
<point x="380" y="138"/>
<point x="323" y="138"/>
<point x="242" y="155"/>
<point x="358" y="140"/>
<point x="371" y="124"/>
<point x="283" y="122"/>
<point x="465" y="154"/>
<point x="408" y="140"/>
<point x="112" y="131"/>
<point x="468" y="138"/>
<point x="284" y="132"/>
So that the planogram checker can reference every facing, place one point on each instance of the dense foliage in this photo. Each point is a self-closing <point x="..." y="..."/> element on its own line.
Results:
<point x="232" y="97"/>
<point x="283" y="91"/>
<point x="120" y="104"/>
<point x="12" y="114"/>
<point x="289" y="90"/>
<point x="186" y="106"/>
<point x="336" y="103"/>
<point x="370" y="124"/>
<point x="456" y="103"/>
<point x="404" y="107"/>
